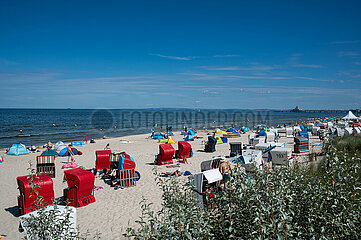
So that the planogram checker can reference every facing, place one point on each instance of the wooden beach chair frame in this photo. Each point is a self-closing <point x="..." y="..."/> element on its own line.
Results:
<point x="46" y="164"/>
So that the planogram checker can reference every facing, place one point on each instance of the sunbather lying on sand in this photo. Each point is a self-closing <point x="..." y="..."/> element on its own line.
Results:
<point x="176" y="173"/>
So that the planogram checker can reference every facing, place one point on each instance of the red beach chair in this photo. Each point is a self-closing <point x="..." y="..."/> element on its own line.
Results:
<point x="102" y="160"/>
<point x="166" y="153"/>
<point x="46" y="191"/>
<point x="184" y="150"/>
<point x="80" y="191"/>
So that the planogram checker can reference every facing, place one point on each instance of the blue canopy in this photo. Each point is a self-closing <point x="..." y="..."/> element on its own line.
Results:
<point x="231" y="130"/>
<point x="303" y="134"/>
<point x="17" y="149"/>
<point x="157" y="136"/>
<point x="189" y="138"/>
<point x="170" y="134"/>
<point x="191" y="132"/>
<point x="262" y="133"/>
<point x="50" y="152"/>
<point x="64" y="152"/>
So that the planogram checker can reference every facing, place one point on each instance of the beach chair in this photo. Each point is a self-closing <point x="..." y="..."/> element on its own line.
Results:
<point x="125" y="167"/>
<point x="236" y="148"/>
<point x="184" y="150"/>
<point x="46" y="164"/>
<point x="166" y="153"/>
<point x="301" y="145"/>
<point x="211" y="144"/>
<point x="102" y="160"/>
<point x="80" y="191"/>
<point x="114" y="160"/>
<point x="281" y="155"/>
<point x="127" y="178"/>
<point x="26" y="202"/>
<point x="210" y="164"/>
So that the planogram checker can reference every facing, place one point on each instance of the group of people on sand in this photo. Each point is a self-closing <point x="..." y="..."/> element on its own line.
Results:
<point x="224" y="168"/>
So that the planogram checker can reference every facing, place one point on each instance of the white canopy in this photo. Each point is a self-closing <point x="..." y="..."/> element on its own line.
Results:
<point x="349" y="116"/>
<point x="213" y="175"/>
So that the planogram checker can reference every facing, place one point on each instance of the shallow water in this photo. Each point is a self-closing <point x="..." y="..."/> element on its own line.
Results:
<point x="74" y="124"/>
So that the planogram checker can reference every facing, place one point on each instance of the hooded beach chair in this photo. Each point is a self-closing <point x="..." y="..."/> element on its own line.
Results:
<point x="102" y="159"/>
<point x="236" y="148"/>
<point x="46" y="164"/>
<point x="125" y="166"/>
<point x="184" y="150"/>
<point x="211" y="144"/>
<point x="80" y="191"/>
<point x="166" y="153"/>
<point x="26" y="200"/>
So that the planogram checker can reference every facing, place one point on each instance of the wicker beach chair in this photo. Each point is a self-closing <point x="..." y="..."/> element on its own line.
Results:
<point x="46" y="164"/>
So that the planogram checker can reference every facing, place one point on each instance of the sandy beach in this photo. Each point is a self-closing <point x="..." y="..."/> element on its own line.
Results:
<point x="114" y="210"/>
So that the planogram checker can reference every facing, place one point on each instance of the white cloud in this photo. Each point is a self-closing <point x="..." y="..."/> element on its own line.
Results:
<point x="238" y="68"/>
<point x="226" y="56"/>
<point x="207" y="92"/>
<point x="307" y="66"/>
<point x="348" y="54"/>
<point x="173" y="57"/>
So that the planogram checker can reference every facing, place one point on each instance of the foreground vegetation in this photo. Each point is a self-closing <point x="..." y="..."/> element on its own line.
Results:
<point x="284" y="204"/>
<point x="299" y="203"/>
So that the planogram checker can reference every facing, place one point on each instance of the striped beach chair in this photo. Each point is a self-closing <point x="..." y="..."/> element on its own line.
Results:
<point x="46" y="164"/>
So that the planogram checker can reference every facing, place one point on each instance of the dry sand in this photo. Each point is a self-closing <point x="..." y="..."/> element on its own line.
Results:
<point x="114" y="210"/>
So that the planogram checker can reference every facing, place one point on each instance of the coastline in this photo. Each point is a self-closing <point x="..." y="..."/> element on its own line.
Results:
<point x="121" y="206"/>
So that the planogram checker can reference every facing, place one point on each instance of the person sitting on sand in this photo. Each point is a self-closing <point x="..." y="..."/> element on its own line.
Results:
<point x="184" y="160"/>
<point x="107" y="147"/>
<point x="49" y="145"/>
<point x="32" y="148"/>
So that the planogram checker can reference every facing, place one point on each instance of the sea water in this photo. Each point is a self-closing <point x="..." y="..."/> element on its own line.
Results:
<point x="38" y="126"/>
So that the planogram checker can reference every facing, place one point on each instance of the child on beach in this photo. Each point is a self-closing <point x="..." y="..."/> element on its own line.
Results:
<point x="70" y="153"/>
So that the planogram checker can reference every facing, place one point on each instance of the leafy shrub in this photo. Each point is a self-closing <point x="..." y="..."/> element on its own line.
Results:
<point x="283" y="204"/>
<point x="350" y="144"/>
<point x="52" y="224"/>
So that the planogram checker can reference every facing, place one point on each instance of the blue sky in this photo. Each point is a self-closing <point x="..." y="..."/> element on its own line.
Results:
<point x="195" y="54"/>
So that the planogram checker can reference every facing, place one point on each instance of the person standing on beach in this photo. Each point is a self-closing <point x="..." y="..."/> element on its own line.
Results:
<point x="70" y="152"/>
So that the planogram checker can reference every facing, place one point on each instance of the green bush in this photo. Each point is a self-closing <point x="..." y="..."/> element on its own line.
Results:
<point x="350" y="144"/>
<point x="283" y="204"/>
<point x="49" y="224"/>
